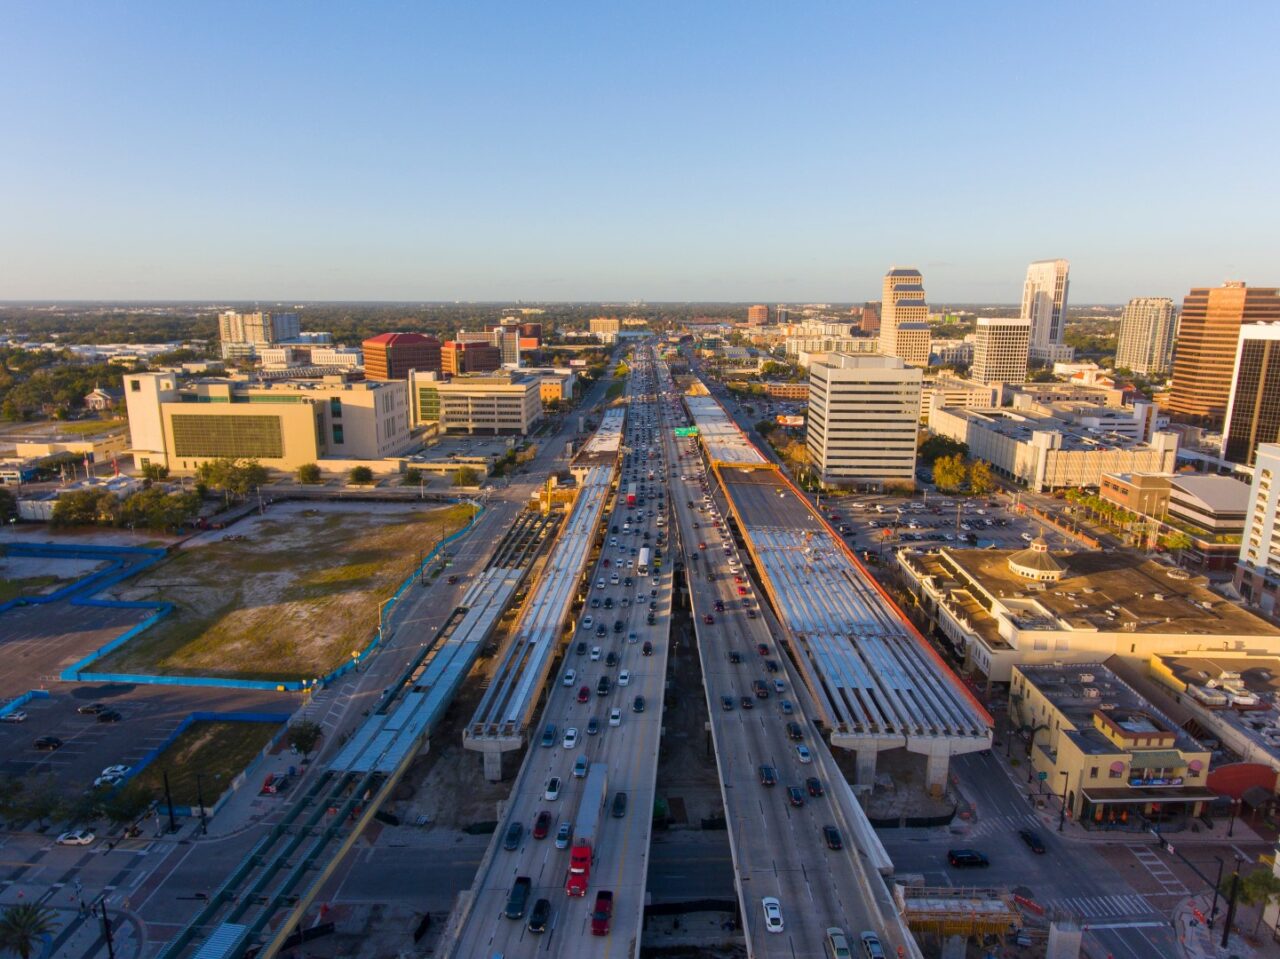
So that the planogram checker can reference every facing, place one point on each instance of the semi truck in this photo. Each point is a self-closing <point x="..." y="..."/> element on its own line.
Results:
<point x="586" y="829"/>
<point x="642" y="562"/>
<point x="631" y="495"/>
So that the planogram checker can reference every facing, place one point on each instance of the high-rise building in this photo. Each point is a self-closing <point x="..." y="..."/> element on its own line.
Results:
<point x="1044" y="303"/>
<point x="903" y="302"/>
<point x="1258" y="570"/>
<point x="606" y="328"/>
<point x="241" y="333"/>
<point x="781" y="314"/>
<point x="914" y="343"/>
<point x="505" y="402"/>
<point x="1253" y="408"/>
<point x="1000" y="348"/>
<point x="507" y="340"/>
<point x="758" y="315"/>
<point x="390" y="356"/>
<point x="864" y="414"/>
<point x="1208" y="338"/>
<point x="469" y="357"/>
<point x="870" y="317"/>
<point x="1147" y="330"/>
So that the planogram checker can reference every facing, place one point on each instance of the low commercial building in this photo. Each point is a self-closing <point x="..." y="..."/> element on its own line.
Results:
<point x="787" y="391"/>
<point x="283" y="424"/>
<point x="1114" y="759"/>
<point x="496" y="403"/>
<point x="800" y="349"/>
<point x="1046" y="452"/>
<point x="957" y="393"/>
<point x="1003" y="608"/>
<point x="604" y="328"/>
<point x="469" y="356"/>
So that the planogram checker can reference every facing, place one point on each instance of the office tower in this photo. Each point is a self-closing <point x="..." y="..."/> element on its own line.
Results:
<point x="1208" y="337"/>
<point x="870" y="321"/>
<point x="914" y="342"/>
<point x="1147" y="328"/>
<point x="1044" y="303"/>
<point x="903" y="302"/>
<point x="532" y="331"/>
<point x="1253" y="407"/>
<point x="864" y="414"/>
<point x="469" y="357"/>
<point x="1000" y="348"/>
<point x="390" y="356"/>
<point x="758" y="315"/>
<point x="1257" y="576"/>
<point x="240" y="334"/>
<point x="781" y="314"/>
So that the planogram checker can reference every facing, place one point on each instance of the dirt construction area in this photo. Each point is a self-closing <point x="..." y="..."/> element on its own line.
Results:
<point x="284" y="595"/>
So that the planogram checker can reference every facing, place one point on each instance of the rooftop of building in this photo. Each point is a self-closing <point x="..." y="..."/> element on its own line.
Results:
<point x="1021" y="424"/>
<point x="903" y="271"/>
<point x="1240" y="688"/>
<point x="1219" y="494"/>
<point x="1080" y="690"/>
<point x="1118" y="591"/>
<point x="858" y="361"/>
<point x="401" y="339"/>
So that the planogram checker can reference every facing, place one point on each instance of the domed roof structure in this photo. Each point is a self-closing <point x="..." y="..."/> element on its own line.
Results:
<point x="1035" y="562"/>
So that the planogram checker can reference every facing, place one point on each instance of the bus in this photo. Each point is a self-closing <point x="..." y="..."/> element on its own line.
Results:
<point x="642" y="564"/>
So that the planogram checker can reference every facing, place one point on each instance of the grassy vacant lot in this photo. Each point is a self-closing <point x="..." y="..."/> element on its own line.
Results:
<point x="289" y="601"/>
<point x="615" y="390"/>
<point x="90" y="427"/>
<point x="218" y="751"/>
<point x="13" y="588"/>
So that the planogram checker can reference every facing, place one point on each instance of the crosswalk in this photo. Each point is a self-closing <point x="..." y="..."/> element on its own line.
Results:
<point x="1101" y="907"/>
<point x="1159" y="870"/>
<point x="1003" y="825"/>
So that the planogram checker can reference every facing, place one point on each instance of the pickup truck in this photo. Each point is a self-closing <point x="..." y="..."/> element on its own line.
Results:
<point x="519" y="897"/>
<point x="602" y="914"/>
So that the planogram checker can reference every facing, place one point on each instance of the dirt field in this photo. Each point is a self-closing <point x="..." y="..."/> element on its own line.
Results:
<point x="219" y="751"/>
<point x="284" y="596"/>
<point x="39" y="575"/>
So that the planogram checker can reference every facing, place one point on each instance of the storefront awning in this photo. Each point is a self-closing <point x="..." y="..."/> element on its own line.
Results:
<point x="1136" y="796"/>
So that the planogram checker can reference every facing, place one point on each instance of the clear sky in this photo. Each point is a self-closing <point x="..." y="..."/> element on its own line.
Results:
<point x="663" y="151"/>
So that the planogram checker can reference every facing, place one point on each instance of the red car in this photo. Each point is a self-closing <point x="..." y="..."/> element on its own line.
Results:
<point x="742" y="591"/>
<point x="702" y="546"/>
<point x="762" y="649"/>
<point x="542" y="825"/>
<point x="584" y="693"/>
<point x="708" y="619"/>
<point x="738" y="579"/>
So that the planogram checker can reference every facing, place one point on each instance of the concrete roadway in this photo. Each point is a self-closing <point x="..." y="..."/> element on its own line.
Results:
<point x="629" y="750"/>
<point x="779" y="849"/>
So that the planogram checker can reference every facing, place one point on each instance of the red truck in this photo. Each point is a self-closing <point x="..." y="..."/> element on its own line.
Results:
<point x="631" y="495"/>
<point x="585" y="829"/>
<point x="602" y="914"/>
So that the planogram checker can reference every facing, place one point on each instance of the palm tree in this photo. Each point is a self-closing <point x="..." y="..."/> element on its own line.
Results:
<point x="22" y="927"/>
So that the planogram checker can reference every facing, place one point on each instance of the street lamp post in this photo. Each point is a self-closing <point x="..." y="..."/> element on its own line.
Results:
<point x="204" y="823"/>
<point x="1066" y="782"/>
<point x="1231" y="823"/>
<point x="1217" y="885"/>
<point x="1231" y="904"/>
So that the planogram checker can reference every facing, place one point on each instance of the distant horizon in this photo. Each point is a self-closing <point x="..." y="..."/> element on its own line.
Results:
<point x="612" y="304"/>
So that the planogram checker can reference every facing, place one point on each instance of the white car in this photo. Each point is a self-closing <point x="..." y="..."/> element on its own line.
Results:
<point x="570" y="737"/>
<point x="553" y="789"/>
<point x="615" y="716"/>
<point x="103" y="782"/>
<point x="803" y="754"/>
<point x="17" y="716"/>
<point x="772" y="914"/>
<point x="624" y="677"/>
<point x="595" y="654"/>
<point x="587" y="622"/>
<point x="115" y="771"/>
<point x="76" y="837"/>
<point x="599" y="584"/>
<point x="569" y="677"/>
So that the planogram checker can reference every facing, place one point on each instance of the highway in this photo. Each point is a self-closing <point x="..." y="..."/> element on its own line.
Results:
<point x="779" y="849"/>
<point x="628" y="750"/>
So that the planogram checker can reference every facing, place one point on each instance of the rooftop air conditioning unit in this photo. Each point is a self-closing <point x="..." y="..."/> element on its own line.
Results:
<point x="1086" y="677"/>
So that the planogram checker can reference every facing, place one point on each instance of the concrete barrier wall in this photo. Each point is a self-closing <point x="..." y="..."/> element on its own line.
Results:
<point x="15" y="704"/>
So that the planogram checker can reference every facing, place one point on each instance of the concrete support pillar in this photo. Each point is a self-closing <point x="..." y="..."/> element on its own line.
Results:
<point x="955" y="947"/>
<point x="866" y="767"/>
<point x="493" y="765"/>
<point x="935" y="772"/>
<point x="1065" y="938"/>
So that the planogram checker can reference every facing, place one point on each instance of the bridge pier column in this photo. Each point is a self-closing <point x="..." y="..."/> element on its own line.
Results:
<point x="865" y="772"/>
<point x="493" y="765"/>
<point x="936" y="764"/>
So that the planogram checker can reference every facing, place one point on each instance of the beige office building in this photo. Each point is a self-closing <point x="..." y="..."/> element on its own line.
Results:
<point x="1000" y="349"/>
<point x="1044" y="304"/>
<point x="863" y="419"/>
<point x="903" y="302"/>
<point x="282" y="425"/>
<point x="605" y="328"/>
<point x="479" y="402"/>
<point x="914" y="343"/>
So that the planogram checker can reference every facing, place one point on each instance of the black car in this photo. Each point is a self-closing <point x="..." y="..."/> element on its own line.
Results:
<point x="611" y="660"/>
<point x="619" y="805"/>
<point x="647" y="648"/>
<point x="48" y="743"/>
<point x="768" y="776"/>
<point x="581" y="649"/>
<point x="109" y="716"/>
<point x="92" y="709"/>
<point x="637" y="704"/>
<point x="726" y="703"/>
<point x="833" y="838"/>
<point x="1033" y="841"/>
<point x="608" y="603"/>
<point x="814" y="785"/>
<point x="771" y="665"/>
<point x="540" y="916"/>
<point x="515" y="832"/>
<point x="617" y="626"/>
<point x="795" y="795"/>
<point x="747" y="702"/>
<point x="967" y="858"/>
<point x="735" y="656"/>
<point x="794" y="732"/>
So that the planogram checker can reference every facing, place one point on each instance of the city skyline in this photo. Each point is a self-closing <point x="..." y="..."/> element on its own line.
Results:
<point x="586" y="155"/>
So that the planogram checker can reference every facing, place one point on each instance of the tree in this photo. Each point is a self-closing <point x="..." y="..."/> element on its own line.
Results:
<point x="765" y="427"/>
<point x="936" y="446"/>
<point x="466" y="476"/>
<point x="309" y="474"/>
<point x="86" y="507"/>
<point x="11" y="789"/>
<point x="304" y="736"/>
<point x="1259" y="888"/>
<point x="128" y="804"/>
<point x="234" y="477"/>
<point x="156" y="509"/>
<point x="980" y="481"/>
<point x="412" y="477"/>
<point x="42" y="802"/>
<point x="155" y="472"/>
<point x="8" y="505"/>
<point x="1176" y="541"/>
<point x="360" y="475"/>
<point x="949" y="472"/>
<point x="23" y="926"/>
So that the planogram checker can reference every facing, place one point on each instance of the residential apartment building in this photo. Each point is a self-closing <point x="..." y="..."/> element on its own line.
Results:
<point x="240" y="335"/>
<point x="1000" y="350"/>
<point x="1257" y="576"/>
<point x="1253" y="406"/>
<point x="282" y="425"/>
<point x="1208" y="340"/>
<point x="799" y="348"/>
<point x="1147" y="331"/>
<point x="458" y="357"/>
<point x="862" y="424"/>
<point x="758" y="315"/>
<point x="390" y="356"/>
<point x="903" y="301"/>
<point x="497" y="403"/>
<point x="1044" y="304"/>
<point x="1116" y="760"/>
<point x="605" y="328"/>
<point x="1047" y="452"/>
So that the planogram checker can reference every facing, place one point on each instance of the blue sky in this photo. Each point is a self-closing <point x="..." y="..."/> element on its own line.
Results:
<point x="661" y="151"/>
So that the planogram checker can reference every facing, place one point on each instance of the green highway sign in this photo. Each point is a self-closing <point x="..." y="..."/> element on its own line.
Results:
<point x="686" y="431"/>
